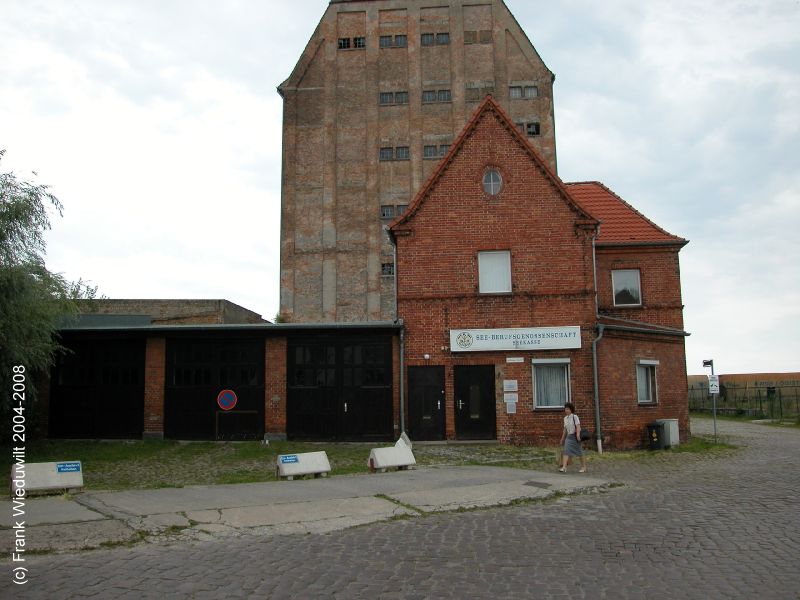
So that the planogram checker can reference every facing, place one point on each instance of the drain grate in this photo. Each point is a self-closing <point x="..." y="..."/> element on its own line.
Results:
<point x="537" y="484"/>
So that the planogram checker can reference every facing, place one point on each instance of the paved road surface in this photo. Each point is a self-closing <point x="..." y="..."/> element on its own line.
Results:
<point x="681" y="527"/>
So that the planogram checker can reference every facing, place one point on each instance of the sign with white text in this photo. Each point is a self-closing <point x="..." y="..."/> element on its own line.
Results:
<point x="713" y="384"/>
<point x="523" y="338"/>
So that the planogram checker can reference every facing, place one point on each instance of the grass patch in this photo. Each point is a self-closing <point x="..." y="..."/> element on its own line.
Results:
<point x="126" y="465"/>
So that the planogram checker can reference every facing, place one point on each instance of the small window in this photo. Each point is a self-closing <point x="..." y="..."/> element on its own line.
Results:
<point x="429" y="152"/>
<point x="401" y="97"/>
<point x="646" y="388"/>
<point x="443" y="96"/>
<point x="532" y="129"/>
<point x="427" y="39"/>
<point x="486" y="36"/>
<point x="627" y="287"/>
<point x="401" y="41"/>
<point x="385" y="41"/>
<point x="494" y="272"/>
<point x="386" y="98"/>
<point x="520" y="126"/>
<point x="387" y="153"/>
<point x="359" y="42"/>
<point x="470" y="37"/>
<point x="551" y="387"/>
<point x="401" y="208"/>
<point x="442" y="39"/>
<point x="429" y="96"/>
<point x="531" y="91"/>
<point x="387" y="269"/>
<point x="492" y="181"/>
<point x="387" y="211"/>
<point x="515" y="91"/>
<point x="443" y="149"/>
<point x="344" y="43"/>
<point x="402" y="153"/>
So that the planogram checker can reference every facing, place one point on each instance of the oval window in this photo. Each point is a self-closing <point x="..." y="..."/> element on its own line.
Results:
<point x="492" y="182"/>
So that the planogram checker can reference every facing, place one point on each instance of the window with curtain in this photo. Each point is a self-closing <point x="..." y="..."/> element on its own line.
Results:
<point x="550" y="383"/>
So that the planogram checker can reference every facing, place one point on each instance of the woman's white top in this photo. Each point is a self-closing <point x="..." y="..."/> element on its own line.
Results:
<point x="569" y="424"/>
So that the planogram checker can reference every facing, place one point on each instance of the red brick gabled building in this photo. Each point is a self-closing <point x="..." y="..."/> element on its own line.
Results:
<point x="519" y="292"/>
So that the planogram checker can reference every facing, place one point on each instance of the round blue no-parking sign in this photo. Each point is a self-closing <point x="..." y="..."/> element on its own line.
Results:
<point x="226" y="399"/>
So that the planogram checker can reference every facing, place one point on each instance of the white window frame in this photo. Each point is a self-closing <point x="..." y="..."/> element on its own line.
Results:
<point x="614" y="286"/>
<point x="491" y="187"/>
<point x="567" y="378"/>
<point x="648" y="365"/>
<point x="484" y="286"/>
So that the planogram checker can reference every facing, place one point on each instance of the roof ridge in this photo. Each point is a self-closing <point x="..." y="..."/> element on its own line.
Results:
<point x="489" y="104"/>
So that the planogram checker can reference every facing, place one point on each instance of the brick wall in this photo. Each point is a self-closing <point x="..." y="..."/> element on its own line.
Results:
<point x="275" y="388"/>
<point x="154" y="379"/>
<point x="624" y="420"/>
<point x="660" y="279"/>
<point x="333" y="185"/>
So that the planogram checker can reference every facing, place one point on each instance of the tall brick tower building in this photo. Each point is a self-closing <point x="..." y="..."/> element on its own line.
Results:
<point x="381" y="90"/>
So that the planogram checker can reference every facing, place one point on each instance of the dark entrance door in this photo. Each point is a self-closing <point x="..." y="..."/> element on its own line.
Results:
<point x="197" y="371"/>
<point x="426" y="403"/>
<point x="97" y="390"/>
<point x="339" y="389"/>
<point x="475" y="402"/>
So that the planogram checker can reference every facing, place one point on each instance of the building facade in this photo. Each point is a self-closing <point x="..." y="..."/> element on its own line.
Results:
<point x="380" y="92"/>
<point x="519" y="293"/>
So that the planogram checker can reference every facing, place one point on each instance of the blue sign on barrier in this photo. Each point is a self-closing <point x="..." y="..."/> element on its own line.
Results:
<point x="289" y="458"/>
<point x="68" y="467"/>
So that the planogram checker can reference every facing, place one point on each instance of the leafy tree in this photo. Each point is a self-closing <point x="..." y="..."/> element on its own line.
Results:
<point x="33" y="301"/>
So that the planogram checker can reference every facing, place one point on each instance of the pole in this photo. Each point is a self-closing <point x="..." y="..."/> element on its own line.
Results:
<point x="714" y="406"/>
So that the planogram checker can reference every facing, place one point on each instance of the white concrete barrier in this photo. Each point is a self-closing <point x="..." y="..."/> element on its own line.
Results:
<point x="46" y="477"/>
<point x="399" y="455"/>
<point x="305" y="463"/>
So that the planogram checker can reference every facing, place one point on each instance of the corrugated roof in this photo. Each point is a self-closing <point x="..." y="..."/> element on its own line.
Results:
<point x="620" y="223"/>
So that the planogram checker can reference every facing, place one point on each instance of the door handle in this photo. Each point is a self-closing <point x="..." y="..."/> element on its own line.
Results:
<point x="438" y="405"/>
<point x="460" y="404"/>
<point x="345" y="407"/>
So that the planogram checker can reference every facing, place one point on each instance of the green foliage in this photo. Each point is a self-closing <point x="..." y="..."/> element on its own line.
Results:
<point x="33" y="301"/>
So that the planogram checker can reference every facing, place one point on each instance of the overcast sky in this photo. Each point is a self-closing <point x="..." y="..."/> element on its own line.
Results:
<point x="158" y="126"/>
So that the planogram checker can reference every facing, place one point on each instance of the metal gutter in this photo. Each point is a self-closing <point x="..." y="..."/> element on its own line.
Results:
<point x="268" y="328"/>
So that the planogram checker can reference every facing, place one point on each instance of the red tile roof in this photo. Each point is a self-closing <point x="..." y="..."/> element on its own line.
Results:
<point x="620" y="223"/>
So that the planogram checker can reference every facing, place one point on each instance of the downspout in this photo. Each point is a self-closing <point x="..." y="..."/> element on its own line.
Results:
<point x="402" y="340"/>
<point x="600" y="328"/>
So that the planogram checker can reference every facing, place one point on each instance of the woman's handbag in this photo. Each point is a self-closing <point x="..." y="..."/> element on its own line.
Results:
<point x="585" y="435"/>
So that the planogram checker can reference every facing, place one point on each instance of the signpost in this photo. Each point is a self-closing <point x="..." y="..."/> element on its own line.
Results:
<point x="713" y="389"/>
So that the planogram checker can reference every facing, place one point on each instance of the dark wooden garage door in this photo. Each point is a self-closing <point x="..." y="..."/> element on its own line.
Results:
<point x="197" y="371"/>
<point x="97" y="390"/>
<point x="339" y="389"/>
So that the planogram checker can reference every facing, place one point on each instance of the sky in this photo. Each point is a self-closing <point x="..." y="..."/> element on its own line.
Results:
<point x="158" y="126"/>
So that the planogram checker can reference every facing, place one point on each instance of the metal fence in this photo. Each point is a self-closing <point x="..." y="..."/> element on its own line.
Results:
<point x="780" y="402"/>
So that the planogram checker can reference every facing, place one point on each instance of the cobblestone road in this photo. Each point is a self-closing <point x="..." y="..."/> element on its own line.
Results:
<point x="681" y="527"/>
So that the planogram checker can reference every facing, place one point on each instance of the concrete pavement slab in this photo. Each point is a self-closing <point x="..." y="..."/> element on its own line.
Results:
<point x="194" y="498"/>
<point x="373" y="509"/>
<point x="41" y="511"/>
<point x="71" y="536"/>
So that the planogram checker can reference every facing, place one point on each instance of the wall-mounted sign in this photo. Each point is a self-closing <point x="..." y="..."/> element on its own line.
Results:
<point x="515" y="359"/>
<point x="227" y="399"/>
<point x="511" y="408"/>
<point x="523" y="338"/>
<point x="510" y="385"/>
<point x="510" y="397"/>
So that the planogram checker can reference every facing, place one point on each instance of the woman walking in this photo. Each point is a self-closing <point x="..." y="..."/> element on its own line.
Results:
<point x="570" y="438"/>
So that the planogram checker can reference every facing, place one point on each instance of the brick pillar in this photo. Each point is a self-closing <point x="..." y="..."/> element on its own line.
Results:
<point x="154" y="376"/>
<point x="275" y="389"/>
